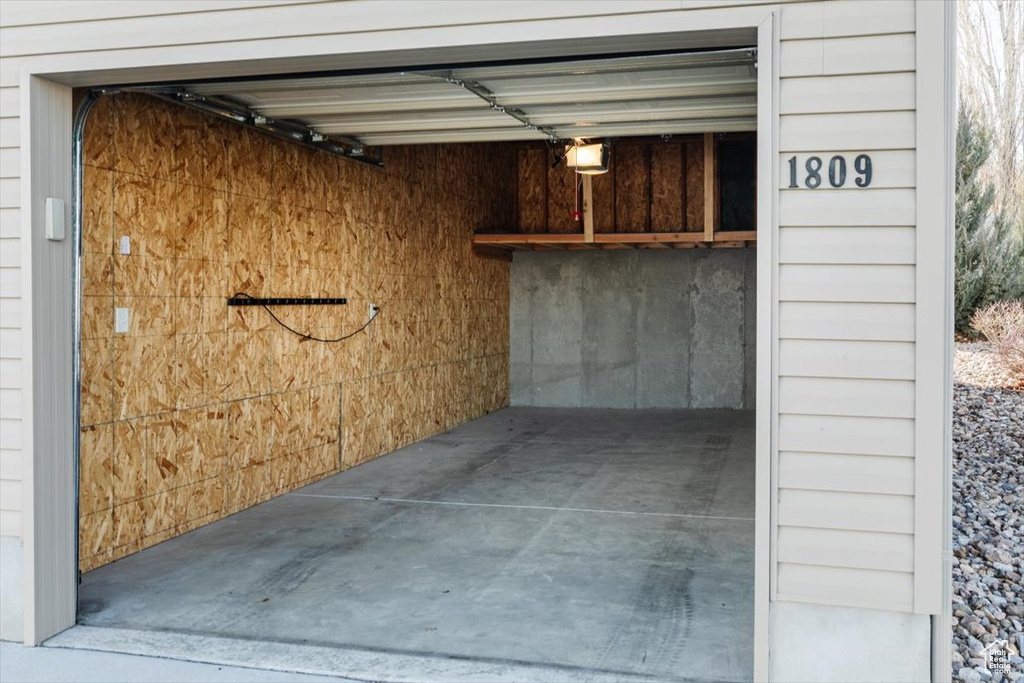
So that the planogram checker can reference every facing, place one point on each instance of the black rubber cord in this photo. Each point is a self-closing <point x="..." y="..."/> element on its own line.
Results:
<point x="303" y="334"/>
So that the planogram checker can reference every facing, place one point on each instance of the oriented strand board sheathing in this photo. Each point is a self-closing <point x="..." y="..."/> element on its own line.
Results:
<point x="201" y="410"/>
<point x="666" y="188"/>
<point x="604" y="199"/>
<point x="563" y="199"/>
<point x="651" y="186"/>
<point x="693" y="185"/>
<point x="632" y="183"/>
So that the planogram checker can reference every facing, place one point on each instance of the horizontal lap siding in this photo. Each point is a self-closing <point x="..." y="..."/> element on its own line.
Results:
<point x="846" y="321"/>
<point x="844" y="516"/>
<point x="32" y="12"/>
<point x="297" y="20"/>
<point x="852" y="549"/>
<point x="843" y="283"/>
<point x="854" y="587"/>
<point x="845" y="472"/>
<point x="852" y="435"/>
<point x="846" y="397"/>
<point x="879" y="246"/>
<point x="846" y="359"/>
<point x="11" y="377"/>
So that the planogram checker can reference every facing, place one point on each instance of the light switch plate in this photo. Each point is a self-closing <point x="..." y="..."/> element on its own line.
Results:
<point x="122" y="319"/>
<point x="126" y="244"/>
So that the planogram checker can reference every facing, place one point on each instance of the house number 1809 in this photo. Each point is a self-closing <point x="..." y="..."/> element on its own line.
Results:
<point x="836" y="173"/>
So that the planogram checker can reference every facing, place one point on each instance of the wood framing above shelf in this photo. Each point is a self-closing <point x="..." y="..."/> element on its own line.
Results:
<point x="502" y="245"/>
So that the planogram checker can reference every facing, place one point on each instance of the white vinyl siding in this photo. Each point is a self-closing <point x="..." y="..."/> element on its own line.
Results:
<point x="11" y="377"/>
<point x="847" y="283"/>
<point x="841" y="434"/>
<point x="860" y="131"/>
<point x="844" y="208"/>
<point x="67" y="11"/>
<point x="843" y="94"/>
<point x="244" y="22"/>
<point x="881" y="246"/>
<point x="846" y="359"/>
<point x="845" y="548"/>
<point x="845" y="472"/>
<point x="851" y="397"/>
<point x="846" y="321"/>
<point x="844" y="522"/>
<point x="841" y="56"/>
<point x="853" y="587"/>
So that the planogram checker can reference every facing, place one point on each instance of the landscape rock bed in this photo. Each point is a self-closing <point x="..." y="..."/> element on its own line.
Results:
<point x="988" y="514"/>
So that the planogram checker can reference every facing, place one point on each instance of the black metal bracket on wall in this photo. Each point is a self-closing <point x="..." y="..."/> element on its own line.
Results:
<point x="285" y="301"/>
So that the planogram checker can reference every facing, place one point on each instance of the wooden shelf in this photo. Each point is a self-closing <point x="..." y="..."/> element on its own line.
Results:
<point x="488" y="245"/>
<point x="688" y="235"/>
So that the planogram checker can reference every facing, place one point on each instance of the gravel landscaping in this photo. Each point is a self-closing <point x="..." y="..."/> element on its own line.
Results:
<point x="988" y="513"/>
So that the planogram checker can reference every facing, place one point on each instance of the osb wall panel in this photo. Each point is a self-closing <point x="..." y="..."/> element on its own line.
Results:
<point x="201" y="410"/>
<point x="532" y="189"/>
<point x="632" y="188"/>
<point x="651" y="185"/>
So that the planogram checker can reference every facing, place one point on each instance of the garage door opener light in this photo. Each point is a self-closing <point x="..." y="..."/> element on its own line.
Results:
<point x="588" y="159"/>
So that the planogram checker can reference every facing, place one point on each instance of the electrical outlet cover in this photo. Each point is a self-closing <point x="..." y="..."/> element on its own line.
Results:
<point x="126" y="244"/>
<point x="122" y="318"/>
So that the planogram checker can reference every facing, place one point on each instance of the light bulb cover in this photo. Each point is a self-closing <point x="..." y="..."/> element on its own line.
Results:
<point x="588" y="159"/>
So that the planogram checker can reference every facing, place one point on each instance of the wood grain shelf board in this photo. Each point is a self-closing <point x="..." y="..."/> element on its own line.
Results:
<point x="628" y="240"/>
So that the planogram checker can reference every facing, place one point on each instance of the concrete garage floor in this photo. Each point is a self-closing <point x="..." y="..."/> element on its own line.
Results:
<point x="536" y="544"/>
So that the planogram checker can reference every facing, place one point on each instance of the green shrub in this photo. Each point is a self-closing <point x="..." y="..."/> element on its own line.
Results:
<point x="989" y="257"/>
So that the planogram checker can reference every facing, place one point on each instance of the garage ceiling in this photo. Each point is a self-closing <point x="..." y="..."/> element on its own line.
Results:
<point x="642" y="95"/>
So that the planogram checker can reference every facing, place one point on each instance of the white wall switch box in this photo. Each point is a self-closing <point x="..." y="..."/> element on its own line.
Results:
<point x="121" y="320"/>
<point x="54" y="219"/>
<point x="126" y="244"/>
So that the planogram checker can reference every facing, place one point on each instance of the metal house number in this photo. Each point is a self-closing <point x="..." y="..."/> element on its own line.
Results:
<point x="813" y="171"/>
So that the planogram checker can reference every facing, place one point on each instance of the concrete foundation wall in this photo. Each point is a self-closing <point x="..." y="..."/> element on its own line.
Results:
<point x="633" y="329"/>
<point x="827" y="644"/>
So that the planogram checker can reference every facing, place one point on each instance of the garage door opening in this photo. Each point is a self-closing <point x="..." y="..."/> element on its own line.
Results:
<point x="550" y="414"/>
